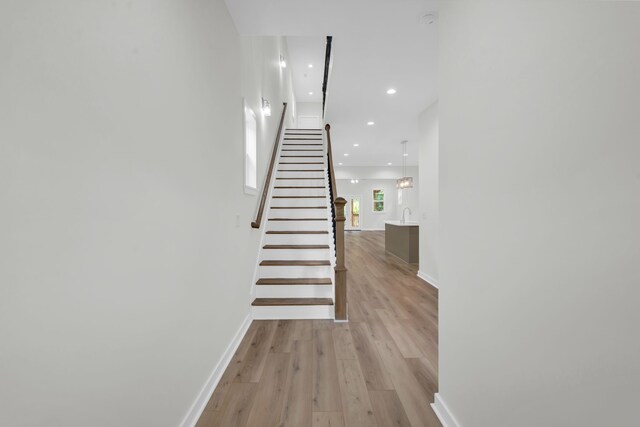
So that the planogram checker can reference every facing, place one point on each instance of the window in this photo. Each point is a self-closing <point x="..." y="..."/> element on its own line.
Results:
<point x="250" y="151"/>
<point x="378" y="200"/>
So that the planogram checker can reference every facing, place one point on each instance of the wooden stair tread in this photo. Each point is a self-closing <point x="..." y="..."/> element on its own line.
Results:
<point x="301" y="170"/>
<point x="262" y="302"/>
<point x="297" y="232"/>
<point x="300" y="281"/>
<point x="299" y="197"/>
<point x="297" y="219"/>
<point x="301" y="149"/>
<point x="295" y="247"/>
<point x="297" y="186"/>
<point x="301" y="157"/>
<point x="298" y="177"/>
<point x="298" y="207"/>
<point x="301" y="163"/>
<point x="294" y="262"/>
<point x="303" y="145"/>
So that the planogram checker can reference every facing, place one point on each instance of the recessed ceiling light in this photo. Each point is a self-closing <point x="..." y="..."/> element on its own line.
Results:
<point x="346" y="154"/>
<point x="310" y="65"/>
<point x="389" y="164"/>
<point x="405" y="154"/>
<point x="391" y="91"/>
<point x="371" y="123"/>
<point x="356" y="145"/>
<point x="310" y="93"/>
<point x="339" y="164"/>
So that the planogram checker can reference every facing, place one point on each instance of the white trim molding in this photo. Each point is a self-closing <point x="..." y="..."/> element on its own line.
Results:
<point x="443" y="413"/>
<point x="201" y="401"/>
<point x="430" y="280"/>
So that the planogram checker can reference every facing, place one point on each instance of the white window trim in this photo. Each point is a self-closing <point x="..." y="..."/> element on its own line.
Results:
<point x="248" y="189"/>
<point x="373" y="201"/>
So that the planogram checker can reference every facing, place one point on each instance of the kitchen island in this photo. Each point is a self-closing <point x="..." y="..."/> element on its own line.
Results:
<point x="401" y="239"/>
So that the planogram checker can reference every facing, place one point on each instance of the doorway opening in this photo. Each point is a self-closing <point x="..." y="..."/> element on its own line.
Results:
<point x="353" y="220"/>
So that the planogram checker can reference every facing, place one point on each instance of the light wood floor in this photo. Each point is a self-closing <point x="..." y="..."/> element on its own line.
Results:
<point x="380" y="369"/>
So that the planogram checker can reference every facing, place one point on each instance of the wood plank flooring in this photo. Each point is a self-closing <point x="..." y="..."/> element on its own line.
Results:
<point x="380" y="369"/>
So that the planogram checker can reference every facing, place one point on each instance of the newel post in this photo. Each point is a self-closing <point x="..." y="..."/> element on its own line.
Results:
<point x="341" y="270"/>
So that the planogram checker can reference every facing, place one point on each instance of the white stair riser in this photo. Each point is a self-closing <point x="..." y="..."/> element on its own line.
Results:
<point x="300" y="182"/>
<point x="316" y="201"/>
<point x="303" y="152"/>
<point x="298" y="213"/>
<point x="303" y="158"/>
<point x="265" y="272"/>
<point x="292" y="145"/>
<point x="293" y="131"/>
<point x="299" y="192"/>
<point x="317" y="176"/>
<point x="315" y="137"/>
<point x="297" y="254"/>
<point x="293" y="312"/>
<point x="296" y="239"/>
<point x="297" y="225"/>
<point x="287" y="170"/>
<point x="304" y="165"/>
<point x="294" y="291"/>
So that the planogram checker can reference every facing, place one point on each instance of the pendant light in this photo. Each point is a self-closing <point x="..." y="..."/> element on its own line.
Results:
<point x="405" y="181"/>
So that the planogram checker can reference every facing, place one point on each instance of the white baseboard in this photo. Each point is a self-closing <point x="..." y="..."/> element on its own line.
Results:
<point x="442" y="411"/>
<point x="430" y="280"/>
<point x="201" y="401"/>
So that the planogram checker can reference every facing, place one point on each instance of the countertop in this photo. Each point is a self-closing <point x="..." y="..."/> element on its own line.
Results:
<point x="400" y="224"/>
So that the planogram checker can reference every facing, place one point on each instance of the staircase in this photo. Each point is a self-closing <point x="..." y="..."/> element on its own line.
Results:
<point x="295" y="273"/>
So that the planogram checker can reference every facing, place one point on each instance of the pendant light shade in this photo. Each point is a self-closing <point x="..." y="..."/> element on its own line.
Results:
<point x="405" y="181"/>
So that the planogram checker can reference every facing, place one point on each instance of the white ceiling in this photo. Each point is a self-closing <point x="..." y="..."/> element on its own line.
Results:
<point x="377" y="44"/>
<point x="302" y="52"/>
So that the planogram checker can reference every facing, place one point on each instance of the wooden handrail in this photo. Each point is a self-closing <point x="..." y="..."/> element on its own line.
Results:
<point x="337" y="212"/>
<point x="267" y="182"/>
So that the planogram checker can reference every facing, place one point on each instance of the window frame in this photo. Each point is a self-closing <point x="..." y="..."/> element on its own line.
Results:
<point x="249" y="114"/>
<point x="384" y="201"/>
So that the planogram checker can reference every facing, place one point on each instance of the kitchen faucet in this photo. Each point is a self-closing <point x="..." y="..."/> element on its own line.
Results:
<point x="403" y="212"/>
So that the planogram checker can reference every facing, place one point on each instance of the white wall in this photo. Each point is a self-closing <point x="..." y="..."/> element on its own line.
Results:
<point x="540" y="213"/>
<point x="122" y="215"/>
<point x="429" y="209"/>
<point x="379" y="177"/>
<point x="370" y="220"/>
<point x="309" y="109"/>
<point x="262" y="77"/>
<point x="375" y="172"/>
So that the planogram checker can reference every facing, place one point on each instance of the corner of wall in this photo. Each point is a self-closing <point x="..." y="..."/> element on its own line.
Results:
<point x="205" y="394"/>
<point x="443" y="412"/>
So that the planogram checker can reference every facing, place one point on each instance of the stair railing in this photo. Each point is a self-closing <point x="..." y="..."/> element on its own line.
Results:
<point x="327" y="70"/>
<point x="337" y="214"/>
<point x="267" y="182"/>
